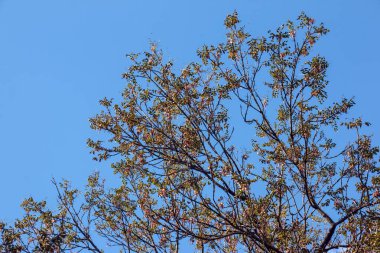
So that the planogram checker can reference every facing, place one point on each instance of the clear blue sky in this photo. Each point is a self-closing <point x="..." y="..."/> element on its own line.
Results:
<point x="59" y="57"/>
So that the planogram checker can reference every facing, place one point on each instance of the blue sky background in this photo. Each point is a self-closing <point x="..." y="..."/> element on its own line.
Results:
<point x="59" y="57"/>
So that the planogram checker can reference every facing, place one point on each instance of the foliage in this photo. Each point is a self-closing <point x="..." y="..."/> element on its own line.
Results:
<point x="172" y="141"/>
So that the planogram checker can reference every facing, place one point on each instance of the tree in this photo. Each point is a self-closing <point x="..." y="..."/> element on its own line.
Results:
<point x="184" y="180"/>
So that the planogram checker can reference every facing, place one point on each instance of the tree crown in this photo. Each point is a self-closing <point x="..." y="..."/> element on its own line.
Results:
<point x="173" y="144"/>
